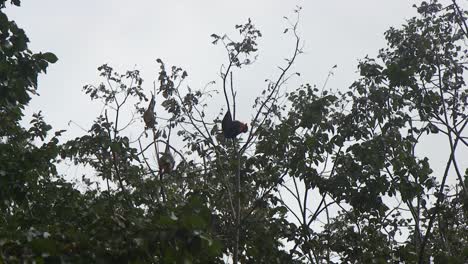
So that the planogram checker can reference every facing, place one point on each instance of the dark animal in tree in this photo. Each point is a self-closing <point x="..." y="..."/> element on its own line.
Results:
<point x="166" y="160"/>
<point x="232" y="128"/>
<point x="148" y="115"/>
<point x="166" y="163"/>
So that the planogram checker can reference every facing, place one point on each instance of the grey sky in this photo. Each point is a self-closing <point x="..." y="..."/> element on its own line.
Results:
<point x="85" y="34"/>
<point x="132" y="34"/>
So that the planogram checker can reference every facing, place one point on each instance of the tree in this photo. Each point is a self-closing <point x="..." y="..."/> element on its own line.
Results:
<point x="47" y="219"/>
<point x="359" y="150"/>
<point x="349" y="161"/>
<point x="26" y="166"/>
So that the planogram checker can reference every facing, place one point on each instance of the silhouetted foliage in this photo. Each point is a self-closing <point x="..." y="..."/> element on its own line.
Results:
<point x="321" y="176"/>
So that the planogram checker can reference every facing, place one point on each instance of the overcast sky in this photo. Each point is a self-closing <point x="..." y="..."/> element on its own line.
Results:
<point x="132" y="34"/>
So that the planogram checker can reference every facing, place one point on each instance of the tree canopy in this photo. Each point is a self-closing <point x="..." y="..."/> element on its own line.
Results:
<point x="321" y="175"/>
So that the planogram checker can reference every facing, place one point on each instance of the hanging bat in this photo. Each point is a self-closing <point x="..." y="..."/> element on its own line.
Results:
<point x="232" y="128"/>
<point x="166" y="160"/>
<point x="148" y="115"/>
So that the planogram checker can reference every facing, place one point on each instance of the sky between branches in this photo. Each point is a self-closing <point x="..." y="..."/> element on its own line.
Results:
<point x="132" y="34"/>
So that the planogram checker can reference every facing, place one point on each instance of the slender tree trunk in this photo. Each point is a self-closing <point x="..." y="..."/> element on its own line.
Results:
<point x="238" y="207"/>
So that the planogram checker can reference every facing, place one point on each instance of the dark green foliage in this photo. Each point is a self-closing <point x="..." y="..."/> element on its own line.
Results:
<point x="321" y="176"/>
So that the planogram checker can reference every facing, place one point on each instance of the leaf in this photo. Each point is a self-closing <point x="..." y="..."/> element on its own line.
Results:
<point x="50" y="57"/>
